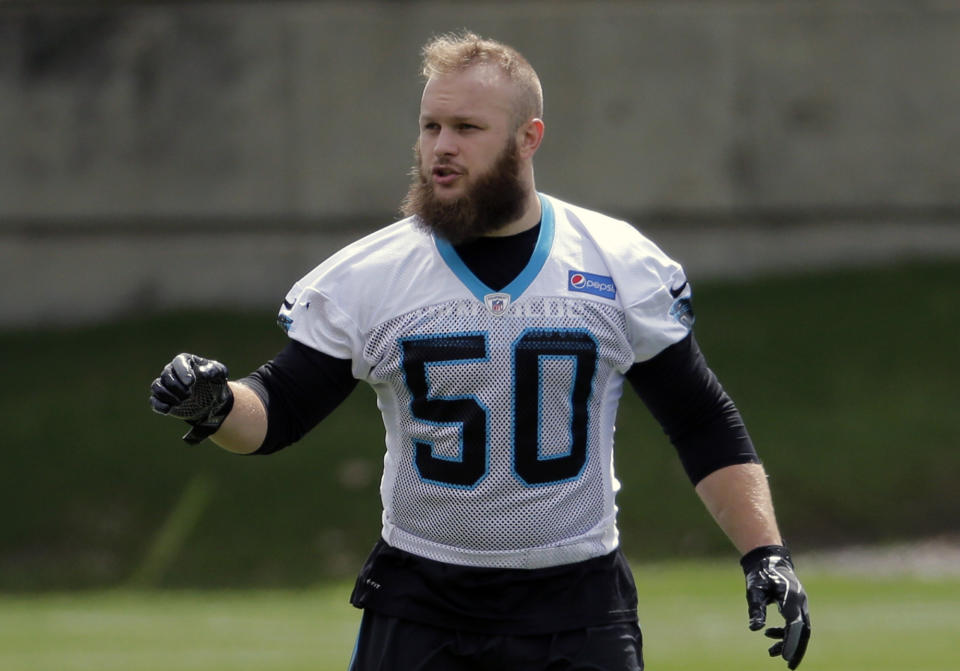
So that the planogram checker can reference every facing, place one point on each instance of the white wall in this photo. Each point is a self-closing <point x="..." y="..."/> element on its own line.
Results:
<point x="206" y="117"/>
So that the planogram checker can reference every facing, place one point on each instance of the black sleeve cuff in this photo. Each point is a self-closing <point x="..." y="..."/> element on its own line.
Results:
<point x="299" y="387"/>
<point x="698" y="416"/>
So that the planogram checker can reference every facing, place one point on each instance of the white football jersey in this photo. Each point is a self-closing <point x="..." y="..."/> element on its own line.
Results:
<point x="499" y="406"/>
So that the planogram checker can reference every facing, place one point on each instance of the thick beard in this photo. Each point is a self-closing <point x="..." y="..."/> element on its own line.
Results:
<point x="494" y="200"/>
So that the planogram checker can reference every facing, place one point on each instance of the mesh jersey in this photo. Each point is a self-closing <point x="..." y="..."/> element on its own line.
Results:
<point x="499" y="406"/>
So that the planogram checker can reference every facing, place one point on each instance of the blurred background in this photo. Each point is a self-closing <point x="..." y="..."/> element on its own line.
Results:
<point x="169" y="169"/>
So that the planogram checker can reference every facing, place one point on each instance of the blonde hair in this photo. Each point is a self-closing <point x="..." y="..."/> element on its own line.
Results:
<point x="455" y="52"/>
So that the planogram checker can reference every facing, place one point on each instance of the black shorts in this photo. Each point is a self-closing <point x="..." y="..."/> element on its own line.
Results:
<point x="591" y="593"/>
<point x="387" y="643"/>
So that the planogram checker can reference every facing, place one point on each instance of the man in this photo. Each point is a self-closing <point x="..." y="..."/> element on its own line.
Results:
<point x="497" y="326"/>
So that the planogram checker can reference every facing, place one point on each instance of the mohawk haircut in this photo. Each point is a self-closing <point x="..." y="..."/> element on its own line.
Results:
<point x="455" y="52"/>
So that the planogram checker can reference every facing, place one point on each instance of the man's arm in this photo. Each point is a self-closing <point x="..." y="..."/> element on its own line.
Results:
<point x="196" y="390"/>
<point x="706" y="428"/>
<point x="245" y="427"/>
<point x="261" y="413"/>
<point x="739" y="499"/>
<point x="708" y="432"/>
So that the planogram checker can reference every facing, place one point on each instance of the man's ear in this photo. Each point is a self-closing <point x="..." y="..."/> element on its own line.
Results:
<point x="529" y="137"/>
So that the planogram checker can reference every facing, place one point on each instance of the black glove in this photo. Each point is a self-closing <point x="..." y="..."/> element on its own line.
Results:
<point x="193" y="389"/>
<point x="771" y="579"/>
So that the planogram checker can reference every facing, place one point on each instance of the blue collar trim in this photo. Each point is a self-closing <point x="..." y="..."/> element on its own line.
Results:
<point x="520" y="283"/>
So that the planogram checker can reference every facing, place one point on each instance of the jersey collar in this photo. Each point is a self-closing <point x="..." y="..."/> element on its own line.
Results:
<point x="520" y="283"/>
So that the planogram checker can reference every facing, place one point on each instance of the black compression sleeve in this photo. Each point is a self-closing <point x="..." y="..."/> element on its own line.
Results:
<point x="698" y="416"/>
<point x="299" y="387"/>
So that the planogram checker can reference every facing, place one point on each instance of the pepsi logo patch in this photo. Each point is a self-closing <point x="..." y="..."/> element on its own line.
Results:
<point x="588" y="283"/>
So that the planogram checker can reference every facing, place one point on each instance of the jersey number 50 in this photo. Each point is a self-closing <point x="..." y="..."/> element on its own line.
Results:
<point x="530" y="464"/>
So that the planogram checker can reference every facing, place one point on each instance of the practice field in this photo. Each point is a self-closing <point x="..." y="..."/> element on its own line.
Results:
<point x="692" y="615"/>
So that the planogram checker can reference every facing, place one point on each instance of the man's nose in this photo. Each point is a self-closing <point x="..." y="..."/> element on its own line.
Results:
<point x="446" y="144"/>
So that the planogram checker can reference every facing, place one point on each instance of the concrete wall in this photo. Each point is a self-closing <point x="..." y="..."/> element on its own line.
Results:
<point x="130" y="133"/>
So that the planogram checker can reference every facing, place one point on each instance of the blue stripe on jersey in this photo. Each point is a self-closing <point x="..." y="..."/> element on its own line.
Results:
<point x="539" y="257"/>
<point x="540" y="253"/>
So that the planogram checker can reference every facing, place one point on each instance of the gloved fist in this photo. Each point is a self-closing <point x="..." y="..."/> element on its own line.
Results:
<point x="193" y="389"/>
<point x="771" y="579"/>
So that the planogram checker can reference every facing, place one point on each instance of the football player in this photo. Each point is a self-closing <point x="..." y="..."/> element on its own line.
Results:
<point x="497" y="326"/>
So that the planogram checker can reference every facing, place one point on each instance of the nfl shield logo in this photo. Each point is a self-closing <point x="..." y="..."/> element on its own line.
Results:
<point x="497" y="303"/>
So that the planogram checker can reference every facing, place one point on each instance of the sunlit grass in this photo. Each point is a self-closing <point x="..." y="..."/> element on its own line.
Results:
<point x="693" y="617"/>
<point x="187" y="631"/>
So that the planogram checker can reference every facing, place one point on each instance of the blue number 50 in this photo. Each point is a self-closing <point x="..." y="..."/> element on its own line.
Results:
<point x="466" y="412"/>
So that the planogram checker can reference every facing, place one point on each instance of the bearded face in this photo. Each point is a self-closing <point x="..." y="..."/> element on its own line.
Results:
<point x="489" y="201"/>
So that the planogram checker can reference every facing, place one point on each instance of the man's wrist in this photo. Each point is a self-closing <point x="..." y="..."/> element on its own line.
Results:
<point x="757" y="554"/>
<point x="209" y="425"/>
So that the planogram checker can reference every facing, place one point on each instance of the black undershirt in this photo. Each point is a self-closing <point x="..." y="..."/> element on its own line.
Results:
<point x="496" y="261"/>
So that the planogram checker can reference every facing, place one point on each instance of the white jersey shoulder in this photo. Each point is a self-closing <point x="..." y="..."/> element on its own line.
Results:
<point x="390" y="271"/>
<point x="651" y="287"/>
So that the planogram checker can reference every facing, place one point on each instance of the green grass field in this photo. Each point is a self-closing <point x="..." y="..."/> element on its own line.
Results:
<point x="692" y="615"/>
